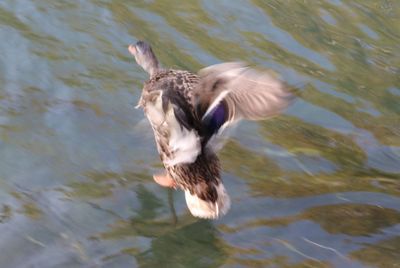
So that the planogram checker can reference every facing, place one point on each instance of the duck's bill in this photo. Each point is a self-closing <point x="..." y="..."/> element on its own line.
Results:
<point x="132" y="49"/>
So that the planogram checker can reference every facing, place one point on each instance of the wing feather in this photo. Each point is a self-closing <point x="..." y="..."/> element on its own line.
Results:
<point x="243" y="92"/>
<point x="249" y="93"/>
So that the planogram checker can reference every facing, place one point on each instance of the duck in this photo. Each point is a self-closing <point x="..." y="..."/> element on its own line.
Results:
<point x="190" y="112"/>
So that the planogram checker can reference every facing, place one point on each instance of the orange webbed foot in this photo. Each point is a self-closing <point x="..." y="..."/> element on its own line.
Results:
<point x="164" y="180"/>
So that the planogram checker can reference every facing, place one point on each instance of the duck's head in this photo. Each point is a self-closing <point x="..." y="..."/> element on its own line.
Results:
<point x="144" y="56"/>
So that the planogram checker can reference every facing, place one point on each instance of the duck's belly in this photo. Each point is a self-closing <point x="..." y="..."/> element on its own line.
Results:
<point x="176" y="144"/>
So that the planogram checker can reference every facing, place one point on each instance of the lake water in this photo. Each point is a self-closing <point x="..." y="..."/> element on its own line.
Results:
<point x="318" y="186"/>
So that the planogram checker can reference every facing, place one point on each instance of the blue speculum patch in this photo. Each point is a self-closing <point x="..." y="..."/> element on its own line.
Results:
<point x="215" y="119"/>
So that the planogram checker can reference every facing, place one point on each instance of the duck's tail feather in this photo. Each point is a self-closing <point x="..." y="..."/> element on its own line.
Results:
<point x="208" y="209"/>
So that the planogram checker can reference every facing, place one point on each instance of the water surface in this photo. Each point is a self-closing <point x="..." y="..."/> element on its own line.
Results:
<point x="318" y="186"/>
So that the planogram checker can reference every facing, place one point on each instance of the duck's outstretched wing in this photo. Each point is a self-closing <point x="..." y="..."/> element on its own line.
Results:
<point x="173" y="123"/>
<point x="229" y="92"/>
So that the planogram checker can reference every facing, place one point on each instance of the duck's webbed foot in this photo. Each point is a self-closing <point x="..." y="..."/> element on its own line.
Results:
<point x="164" y="180"/>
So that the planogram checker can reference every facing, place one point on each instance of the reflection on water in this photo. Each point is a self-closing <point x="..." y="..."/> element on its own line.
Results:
<point x="316" y="187"/>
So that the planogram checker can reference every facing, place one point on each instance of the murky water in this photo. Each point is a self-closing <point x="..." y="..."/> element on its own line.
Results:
<point x="316" y="187"/>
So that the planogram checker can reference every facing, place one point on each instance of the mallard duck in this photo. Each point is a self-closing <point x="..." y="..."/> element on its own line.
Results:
<point x="188" y="112"/>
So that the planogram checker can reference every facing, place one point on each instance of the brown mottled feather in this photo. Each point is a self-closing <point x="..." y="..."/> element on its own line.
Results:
<point x="194" y="176"/>
<point x="172" y="97"/>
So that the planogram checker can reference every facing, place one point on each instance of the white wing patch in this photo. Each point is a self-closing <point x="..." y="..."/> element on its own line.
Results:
<point x="216" y="102"/>
<point x="183" y="144"/>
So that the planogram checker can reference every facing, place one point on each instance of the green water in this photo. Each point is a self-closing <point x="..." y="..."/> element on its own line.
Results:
<point x="316" y="187"/>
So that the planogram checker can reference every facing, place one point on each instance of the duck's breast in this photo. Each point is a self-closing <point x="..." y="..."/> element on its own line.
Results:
<point x="171" y="116"/>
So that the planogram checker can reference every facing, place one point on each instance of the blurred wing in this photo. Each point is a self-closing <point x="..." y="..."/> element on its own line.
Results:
<point x="228" y="92"/>
<point x="173" y="125"/>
